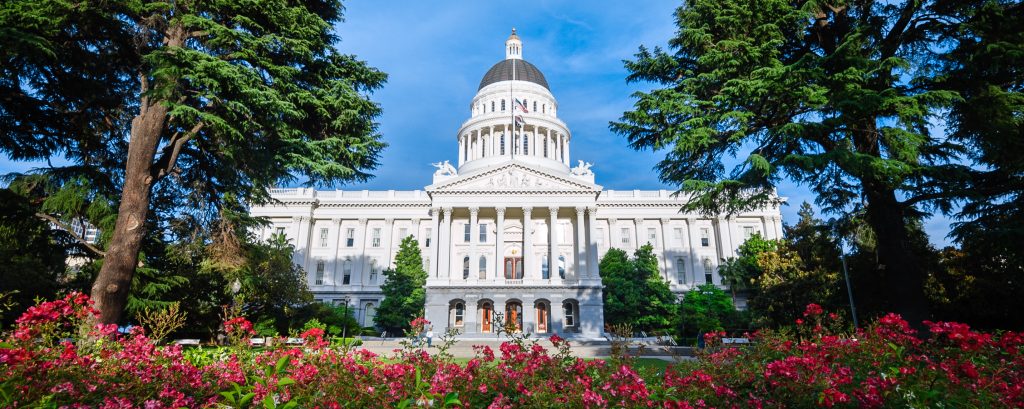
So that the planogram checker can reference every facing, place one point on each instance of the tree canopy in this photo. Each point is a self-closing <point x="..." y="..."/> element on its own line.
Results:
<point x="839" y="96"/>
<point x="634" y="291"/>
<point x="404" y="289"/>
<point x="188" y="102"/>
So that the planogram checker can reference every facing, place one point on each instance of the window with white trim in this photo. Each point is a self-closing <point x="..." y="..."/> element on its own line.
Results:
<point x="681" y="270"/>
<point x="350" y="237"/>
<point x="460" y="313"/>
<point x="465" y="267"/>
<point x="319" y="273"/>
<point x="483" y="232"/>
<point x="403" y="233"/>
<point x="483" y="267"/>
<point x="624" y="237"/>
<point x="652" y="236"/>
<point x="376" y="237"/>
<point x="346" y="271"/>
<point x="708" y="271"/>
<point x="466" y="233"/>
<point x="705" y="237"/>
<point x="323" y="237"/>
<point x="430" y="232"/>
<point x="747" y="232"/>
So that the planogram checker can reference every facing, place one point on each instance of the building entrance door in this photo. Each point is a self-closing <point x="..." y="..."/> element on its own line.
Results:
<point x="513" y="268"/>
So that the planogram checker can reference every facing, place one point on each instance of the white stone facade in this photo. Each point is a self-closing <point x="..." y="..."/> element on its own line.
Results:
<point x="488" y="229"/>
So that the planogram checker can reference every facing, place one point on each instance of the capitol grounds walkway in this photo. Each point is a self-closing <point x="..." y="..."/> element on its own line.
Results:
<point x="586" y="349"/>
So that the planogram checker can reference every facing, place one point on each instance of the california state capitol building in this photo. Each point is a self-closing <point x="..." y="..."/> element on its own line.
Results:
<point x="516" y="227"/>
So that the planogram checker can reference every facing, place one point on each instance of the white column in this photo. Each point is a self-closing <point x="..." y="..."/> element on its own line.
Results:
<point x="528" y="243"/>
<point x="335" y="244"/>
<point x="499" y="244"/>
<point x="692" y="229"/>
<point x="567" y="159"/>
<point x="613" y="234"/>
<point x="581" y="243"/>
<point x="444" y="244"/>
<point x="461" y="149"/>
<point x="594" y="264"/>
<point x="638" y="224"/>
<point x="389" y="227"/>
<point x="553" y="242"/>
<point x="361" y="235"/>
<point x="435" y="231"/>
<point x="665" y="249"/>
<point x="474" y="238"/>
<point x="725" y="246"/>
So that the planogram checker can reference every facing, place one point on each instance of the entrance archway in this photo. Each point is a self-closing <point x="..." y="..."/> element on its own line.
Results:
<point x="514" y="316"/>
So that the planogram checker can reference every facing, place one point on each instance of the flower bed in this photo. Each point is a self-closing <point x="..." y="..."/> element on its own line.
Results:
<point x="884" y="365"/>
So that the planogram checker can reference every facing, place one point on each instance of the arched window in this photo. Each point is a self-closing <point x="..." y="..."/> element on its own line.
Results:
<point x="543" y="108"/>
<point x="346" y="271"/>
<point x="545" y="271"/>
<point x="503" y="105"/>
<point x="483" y="267"/>
<point x="570" y="313"/>
<point x="561" y="267"/>
<point x="465" y="267"/>
<point x="460" y="313"/>
<point x="501" y="147"/>
<point x="708" y="270"/>
<point x="514" y="316"/>
<point x="526" y="145"/>
<point x="368" y="313"/>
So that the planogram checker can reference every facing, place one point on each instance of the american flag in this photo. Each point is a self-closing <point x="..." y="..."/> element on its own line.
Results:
<point x="521" y="105"/>
<point x="520" y="121"/>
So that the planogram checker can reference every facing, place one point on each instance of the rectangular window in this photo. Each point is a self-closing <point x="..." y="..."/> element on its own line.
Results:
<point x="426" y="264"/>
<point x="280" y="231"/>
<point x="708" y="271"/>
<point x="705" y="237"/>
<point x="483" y="232"/>
<point x="624" y="236"/>
<point x="466" y="233"/>
<point x="681" y="270"/>
<point x="678" y="235"/>
<point x="373" y="275"/>
<point x="350" y="237"/>
<point x="652" y="236"/>
<point x="319" y="273"/>
<point x="600" y="237"/>
<point x="347" y="272"/>
<point x="376" y="237"/>
<point x="747" y="232"/>
<point x="323" y="237"/>
<point x="430" y="231"/>
<point x="403" y="233"/>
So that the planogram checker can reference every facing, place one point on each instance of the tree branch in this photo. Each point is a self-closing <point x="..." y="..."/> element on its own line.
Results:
<point x="169" y="156"/>
<point x="71" y="231"/>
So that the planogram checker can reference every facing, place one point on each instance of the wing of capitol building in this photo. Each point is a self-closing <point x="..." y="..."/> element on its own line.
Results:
<point x="514" y="228"/>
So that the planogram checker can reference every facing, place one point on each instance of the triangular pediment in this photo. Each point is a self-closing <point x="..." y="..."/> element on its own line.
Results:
<point x="513" y="177"/>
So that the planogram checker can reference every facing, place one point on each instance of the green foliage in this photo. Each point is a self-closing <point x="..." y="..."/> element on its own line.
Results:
<point x="404" y="289"/>
<point x="705" y="308"/>
<point x="635" y="292"/>
<point x="334" y="319"/>
<point x="840" y="97"/>
<point x="32" y="255"/>
<point x="271" y="285"/>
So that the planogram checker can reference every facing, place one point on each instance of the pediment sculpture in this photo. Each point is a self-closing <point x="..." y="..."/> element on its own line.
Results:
<point x="514" y="179"/>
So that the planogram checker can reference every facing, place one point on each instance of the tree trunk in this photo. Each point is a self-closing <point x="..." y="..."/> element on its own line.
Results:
<point x="901" y="269"/>
<point x="110" y="291"/>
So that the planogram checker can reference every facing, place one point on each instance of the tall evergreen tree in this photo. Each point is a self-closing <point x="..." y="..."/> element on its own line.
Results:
<point x="188" y="101"/>
<point x="404" y="289"/>
<point x="634" y="291"/>
<point x="829" y="93"/>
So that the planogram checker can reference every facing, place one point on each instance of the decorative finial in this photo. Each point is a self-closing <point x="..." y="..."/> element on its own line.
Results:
<point x="513" y="46"/>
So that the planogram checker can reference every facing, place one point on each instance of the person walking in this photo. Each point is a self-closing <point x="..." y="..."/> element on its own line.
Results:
<point x="430" y="335"/>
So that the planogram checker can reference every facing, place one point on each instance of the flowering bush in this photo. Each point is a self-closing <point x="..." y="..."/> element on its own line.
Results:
<point x="884" y="365"/>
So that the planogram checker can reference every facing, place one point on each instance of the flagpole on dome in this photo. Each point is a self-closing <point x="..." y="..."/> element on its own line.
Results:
<point x="512" y="105"/>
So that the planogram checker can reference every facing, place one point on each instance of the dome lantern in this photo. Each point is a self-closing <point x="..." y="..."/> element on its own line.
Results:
<point x="513" y="47"/>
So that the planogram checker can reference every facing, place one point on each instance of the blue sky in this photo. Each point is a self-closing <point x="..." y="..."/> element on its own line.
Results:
<point x="436" y="52"/>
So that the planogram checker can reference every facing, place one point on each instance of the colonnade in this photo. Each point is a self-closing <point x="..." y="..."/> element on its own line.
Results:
<point x="487" y="141"/>
<point x="446" y="262"/>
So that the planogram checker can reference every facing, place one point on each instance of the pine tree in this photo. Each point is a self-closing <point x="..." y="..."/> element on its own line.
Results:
<point x="227" y="97"/>
<point x="831" y="94"/>
<point x="634" y="291"/>
<point x="404" y="289"/>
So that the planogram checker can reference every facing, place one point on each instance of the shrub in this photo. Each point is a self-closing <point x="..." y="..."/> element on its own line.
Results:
<point x="815" y="365"/>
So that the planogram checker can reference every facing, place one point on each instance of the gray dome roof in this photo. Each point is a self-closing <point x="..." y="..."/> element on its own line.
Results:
<point x="502" y="71"/>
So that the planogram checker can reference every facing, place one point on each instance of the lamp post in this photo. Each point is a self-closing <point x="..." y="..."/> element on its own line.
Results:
<point x="344" y="329"/>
